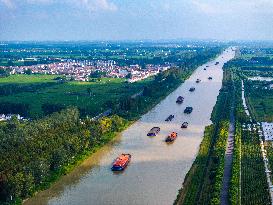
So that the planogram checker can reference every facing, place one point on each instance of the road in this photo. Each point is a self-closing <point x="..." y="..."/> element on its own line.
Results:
<point x="228" y="155"/>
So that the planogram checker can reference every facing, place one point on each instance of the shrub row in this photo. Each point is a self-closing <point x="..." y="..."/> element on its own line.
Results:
<point x="234" y="190"/>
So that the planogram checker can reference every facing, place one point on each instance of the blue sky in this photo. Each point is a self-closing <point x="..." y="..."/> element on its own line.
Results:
<point x="136" y="19"/>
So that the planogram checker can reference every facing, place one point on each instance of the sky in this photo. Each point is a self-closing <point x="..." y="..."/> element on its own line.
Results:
<point x="41" y="20"/>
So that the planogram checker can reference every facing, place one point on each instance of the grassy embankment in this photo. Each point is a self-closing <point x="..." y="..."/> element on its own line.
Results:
<point x="202" y="187"/>
<point x="240" y="116"/>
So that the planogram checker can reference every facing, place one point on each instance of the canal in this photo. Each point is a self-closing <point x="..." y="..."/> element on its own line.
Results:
<point x="157" y="169"/>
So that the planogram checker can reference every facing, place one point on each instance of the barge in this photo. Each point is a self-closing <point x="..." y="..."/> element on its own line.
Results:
<point x="188" y="110"/>
<point x="170" y="118"/>
<point x="184" y="125"/>
<point x="171" y="137"/>
<point x="121" y="162"/>
<point x="179" y="100"/>
<point x="153" y="132"/>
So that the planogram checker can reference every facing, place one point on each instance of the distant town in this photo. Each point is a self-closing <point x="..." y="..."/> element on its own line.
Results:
<point x="84" y="70"/>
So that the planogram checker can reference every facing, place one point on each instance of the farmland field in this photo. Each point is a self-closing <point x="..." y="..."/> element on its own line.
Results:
<point x="253" y="62"/>
<point x="260" y="100"/>
<point x="90" y="96"/>
<point x="253" y="185"/>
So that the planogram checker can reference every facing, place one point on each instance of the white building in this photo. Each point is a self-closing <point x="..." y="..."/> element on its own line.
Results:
<point x="267" y="131"/>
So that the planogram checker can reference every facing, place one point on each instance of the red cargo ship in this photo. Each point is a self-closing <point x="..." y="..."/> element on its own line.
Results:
<point x="171" y="137"/>
<point x="121" y="162"/>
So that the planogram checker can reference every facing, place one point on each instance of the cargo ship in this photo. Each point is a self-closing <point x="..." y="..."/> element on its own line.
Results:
<point x="179" y="100"/>
<point x="171" y="137"/>
<point x="121" y="162"/>
<point x="170" y="118"/>
<point x="184" y="125"/>
<point x="188" y="110"/>
<point x="192" y="89"/>
<point x="153" y="132"/>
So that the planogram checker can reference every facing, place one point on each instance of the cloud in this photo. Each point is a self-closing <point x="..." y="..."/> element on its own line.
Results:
<point x="91" y="5"/>
<point x="204" y="7"/>
<point x="229" y="7"/>
<point x="39" y="1"/>
<point x="8" y="3"/>
<point x="95" y="5"/>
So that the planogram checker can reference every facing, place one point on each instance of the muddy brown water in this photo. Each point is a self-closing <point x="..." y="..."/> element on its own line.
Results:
<point x="157" y="169"/>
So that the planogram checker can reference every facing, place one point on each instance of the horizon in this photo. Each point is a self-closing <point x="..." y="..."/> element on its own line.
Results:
<point x="141" y="41"/>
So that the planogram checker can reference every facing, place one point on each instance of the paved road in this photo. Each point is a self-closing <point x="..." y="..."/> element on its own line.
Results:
<point x="228" y="156"/>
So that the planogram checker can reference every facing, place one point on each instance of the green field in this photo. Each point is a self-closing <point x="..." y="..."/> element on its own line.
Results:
<point x="92" y="97"/>
<point x="253" y="177"/>
<point x="260" y="100"/>
<point x="19" y="79"/>
<point x="256" y="62"/>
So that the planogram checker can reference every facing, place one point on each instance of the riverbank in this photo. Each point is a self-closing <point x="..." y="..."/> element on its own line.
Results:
<point x="77" y="161"/>
<point x="203" y="182"/>
<point x="63" y="168"/>
<point x="149" y="168"/>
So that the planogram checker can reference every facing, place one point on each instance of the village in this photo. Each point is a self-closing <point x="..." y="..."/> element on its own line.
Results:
<point x="6" y="117"/>
<point x="83" y="70"/>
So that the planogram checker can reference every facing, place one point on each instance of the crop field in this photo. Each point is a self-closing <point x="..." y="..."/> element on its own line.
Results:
<point x="260" y="100"/>
<point x="20" y="79"/>
<point x="92" y="97"/>
<point x="256" y="62"/>
<point x="253" y="179"/>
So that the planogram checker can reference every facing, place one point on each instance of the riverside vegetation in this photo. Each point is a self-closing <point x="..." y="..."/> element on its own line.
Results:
<point x="35" y="153"/>
<point x="248" y="172"/>
<point x="203" y="182"/>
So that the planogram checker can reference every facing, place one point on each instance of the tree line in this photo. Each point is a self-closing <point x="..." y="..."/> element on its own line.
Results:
<point x="33" y="154"/>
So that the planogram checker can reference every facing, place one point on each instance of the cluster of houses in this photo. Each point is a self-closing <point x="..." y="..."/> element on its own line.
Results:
<point x="81" y="70"/>
<point x="6" y="117"/>
<point x="267" y="131"/>
<point x="150" y="70"/>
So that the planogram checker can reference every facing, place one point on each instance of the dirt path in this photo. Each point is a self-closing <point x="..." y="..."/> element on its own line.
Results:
<point x="228" y="156"/>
